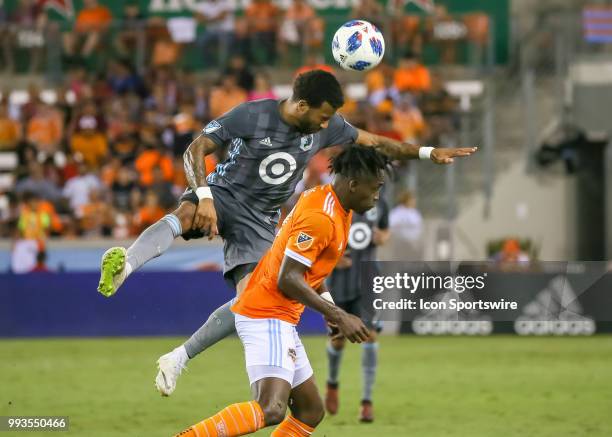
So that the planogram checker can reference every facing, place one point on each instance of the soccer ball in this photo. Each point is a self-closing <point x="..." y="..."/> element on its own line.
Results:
<point x="358" y="45"/>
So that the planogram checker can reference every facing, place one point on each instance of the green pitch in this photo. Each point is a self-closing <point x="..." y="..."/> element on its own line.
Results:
<point x="446" y="386"/>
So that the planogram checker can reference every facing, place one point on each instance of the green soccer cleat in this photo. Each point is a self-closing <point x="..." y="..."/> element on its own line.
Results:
<point x="112" y="270"/>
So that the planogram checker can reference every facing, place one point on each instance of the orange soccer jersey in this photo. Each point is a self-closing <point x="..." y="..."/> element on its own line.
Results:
<point x="315" y="233"/>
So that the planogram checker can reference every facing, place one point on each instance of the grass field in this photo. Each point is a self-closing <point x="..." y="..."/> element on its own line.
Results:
<point x="428" y="386"/>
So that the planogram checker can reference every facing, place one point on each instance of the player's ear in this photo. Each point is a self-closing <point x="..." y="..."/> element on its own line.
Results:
<point x="352" y="183"/>
<point x="303" y="106"/>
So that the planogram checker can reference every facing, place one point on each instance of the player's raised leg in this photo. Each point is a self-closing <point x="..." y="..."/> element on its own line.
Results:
<point x="118" y="263"/>
<point x="219" y="325"/>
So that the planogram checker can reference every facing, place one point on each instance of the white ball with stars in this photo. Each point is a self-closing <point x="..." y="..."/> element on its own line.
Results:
<point x="358" y="45"/>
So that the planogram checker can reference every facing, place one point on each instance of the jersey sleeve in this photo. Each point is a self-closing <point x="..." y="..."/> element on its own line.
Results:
<point x="338" y="132"/>
<point x="309" y="236"/>
<point x="233" y="124"/>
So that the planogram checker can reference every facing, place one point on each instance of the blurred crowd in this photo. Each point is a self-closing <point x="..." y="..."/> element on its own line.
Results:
<point x="101" y="154"/>
<point x="264" y="33"/>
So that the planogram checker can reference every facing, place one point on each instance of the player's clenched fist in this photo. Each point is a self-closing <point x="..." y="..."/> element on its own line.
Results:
<point x="205" y="218"/>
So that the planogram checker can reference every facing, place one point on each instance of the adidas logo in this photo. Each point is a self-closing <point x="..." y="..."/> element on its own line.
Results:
<point x="555" y="310"/>
<point x="445" y="321"/>
<point x="266" y="142"/>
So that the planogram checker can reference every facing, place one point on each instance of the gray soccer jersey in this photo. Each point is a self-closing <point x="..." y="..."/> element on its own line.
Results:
<point x="267" y="156"/>
<point x="344" y="283"/>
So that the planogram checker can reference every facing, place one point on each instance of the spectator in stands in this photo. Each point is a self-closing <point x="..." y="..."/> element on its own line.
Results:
<point x="377" y="78"/>
<point x="405" y="31"/>
<point x="511" y="254"/>
<point x="238" y="68"/>
<point x="352" y="110"/>
<point x="184" y="127"/>
<point x="36" y="183"/>
<point x="91" y="26"/>
<point x="386" y="95"/>
<point x="45" y="129"/>
<point x="153" y="157"/>
<point x="124" y="191"/>
<point x="444" y="32"/>
<point x="95" y="216"/>
<point x="217" y="17"/>
<point x="123" y="79"/>
<point x="408" y="120"/>
<point x="381" y="124"/>
<point x="263" y="88"/>
<point x="89" y="141"/>
<point x="34" y="221"/>
<point x="77" y="80"/>
<point x="314" y="62"/>
<point x="263" y="18"/>
<point x="132" y="27"/>
<point x="440" y="109"/>
<point x="78" y="189"/>
<point x="412" y="76"/>
<point x="301" y="31"/>
<point x="225" y="97"/>
<point x="28" y="21"/>
<point x="163" y="189"/>
<point x="406" y="225"/>
<point x="149" y="213"/>
<point x="200" y="102"/>
<point x="10" y="129"/>
<point x="370" y="10"/>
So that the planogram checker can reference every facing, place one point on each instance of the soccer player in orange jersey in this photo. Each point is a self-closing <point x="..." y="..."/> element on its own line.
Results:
<point x="289" y="277"/>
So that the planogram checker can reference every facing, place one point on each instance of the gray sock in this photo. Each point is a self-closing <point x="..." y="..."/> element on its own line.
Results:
<point x="369" y="361"/>
<point x="334" y="357"/>
<point x="154" y="241"/>
<point x="219" y="325"/>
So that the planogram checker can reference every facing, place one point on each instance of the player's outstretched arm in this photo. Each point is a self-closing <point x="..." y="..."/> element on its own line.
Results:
<point x="398" y="150"/>
<point x="205" y="218"/>
<point x="292" y="283"/>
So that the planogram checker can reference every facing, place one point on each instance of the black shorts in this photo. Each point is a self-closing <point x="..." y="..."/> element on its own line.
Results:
<point x="247" y="233"/>
<point x="355" y="307"/>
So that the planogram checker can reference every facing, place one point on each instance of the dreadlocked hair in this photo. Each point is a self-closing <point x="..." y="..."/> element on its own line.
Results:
<point x="356" y="161"/>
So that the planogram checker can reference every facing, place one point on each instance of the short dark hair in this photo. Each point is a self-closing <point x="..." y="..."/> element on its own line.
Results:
<point x="317" y="87"/>
<point x="358" y="161"/>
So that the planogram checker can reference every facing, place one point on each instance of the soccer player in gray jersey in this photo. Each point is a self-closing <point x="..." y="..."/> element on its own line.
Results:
<point x="368" y="231"/>
<point x="270" y="143"/>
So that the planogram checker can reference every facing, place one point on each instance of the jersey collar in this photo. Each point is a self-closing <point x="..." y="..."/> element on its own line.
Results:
<point x="338" y="205"/>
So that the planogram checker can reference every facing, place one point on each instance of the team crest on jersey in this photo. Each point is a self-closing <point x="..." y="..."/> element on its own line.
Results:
<point x="306" y="142"/>
<point x="292" y="354"/>
<point x="304" y="241"/>
<point x="212" y="127"/>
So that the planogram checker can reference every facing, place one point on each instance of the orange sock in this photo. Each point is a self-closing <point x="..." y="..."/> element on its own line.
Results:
<point x="235" y="420"/>
<point x="291" y="427"/>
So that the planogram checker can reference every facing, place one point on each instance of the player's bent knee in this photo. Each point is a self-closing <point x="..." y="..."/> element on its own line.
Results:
<point x="274" y="411"/>
<point x="185" y="213"/>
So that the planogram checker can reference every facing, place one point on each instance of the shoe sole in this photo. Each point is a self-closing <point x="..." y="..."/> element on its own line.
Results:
<point x="113" y="262"/>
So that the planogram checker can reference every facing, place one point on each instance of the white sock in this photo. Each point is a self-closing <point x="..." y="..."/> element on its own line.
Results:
<point x="182" y="352"/>
<point x="128" y="269"/>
